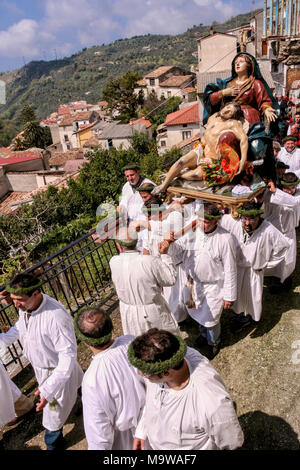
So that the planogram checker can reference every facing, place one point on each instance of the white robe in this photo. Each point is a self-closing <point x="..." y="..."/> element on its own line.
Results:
<point x="151" y="238"/>
<point x="210" y="260"/>
<point x="131" y="200"/>
<point x="201" y="416"/>
<point x="7" y="410"/>
<point x="266" y="247"/>
<point x="113" y="396"/>
<point x="290" y="158"/>
<point x="283" y="211"/>
<point x="49" y="343"/>
<point x="139" y="280"/>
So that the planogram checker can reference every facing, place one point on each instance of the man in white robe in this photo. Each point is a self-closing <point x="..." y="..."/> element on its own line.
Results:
<point x="7" y="410"/>
<point x="282" y="208"/>
<point x="187" y="406"/>
<point x="138" y="280"/>
<point x="45" y="330"/>
<point x="113" y="394"/>
<point x="131" y="202"/>
<point x="259" y="245"/>
<point x="209" y="261"/>
<point x="290" y="154"/>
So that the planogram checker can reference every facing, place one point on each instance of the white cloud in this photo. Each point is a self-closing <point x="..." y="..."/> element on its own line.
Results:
<point x="68" y="25"/>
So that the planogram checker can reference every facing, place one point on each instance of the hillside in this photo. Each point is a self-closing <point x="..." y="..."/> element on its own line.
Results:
<point x="44" y="85"/>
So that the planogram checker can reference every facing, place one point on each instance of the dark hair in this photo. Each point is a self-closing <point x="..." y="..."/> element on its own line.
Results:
<point x="211" y="208"/>
<point x="251" y="205"/>
<point x="94" y="323"/>
<point x="156" y="345"/>
<point x="146" y="185"/>
<point x="25" y="280"/>
<point x="238" y="114"/>
<point x="155" y="200"/>
<point x="290" y="177"/>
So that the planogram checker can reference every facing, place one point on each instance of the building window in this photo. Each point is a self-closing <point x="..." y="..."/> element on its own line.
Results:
<point x="152" y="81"/>
<point x="110" y="143"/>
<point x="169" y="94"/>
<point x="186" y="135"/>
<point x="68" y="147"/>
<point x="66" y="138"/>
<point x="162" y="143"/>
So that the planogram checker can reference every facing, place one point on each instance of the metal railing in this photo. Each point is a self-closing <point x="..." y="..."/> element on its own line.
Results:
<point x="76" y="275"/>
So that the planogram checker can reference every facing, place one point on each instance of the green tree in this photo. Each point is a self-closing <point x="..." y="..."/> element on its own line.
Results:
<point x="119" y="94"/>
<point x="36" y="136"/>
<point x="27" y="114"/>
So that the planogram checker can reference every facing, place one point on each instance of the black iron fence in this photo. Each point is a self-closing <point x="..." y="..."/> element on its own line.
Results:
<point x="76" y="276"/>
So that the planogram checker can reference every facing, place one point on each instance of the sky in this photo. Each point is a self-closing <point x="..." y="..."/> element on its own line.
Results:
<point x="46" y="29"/>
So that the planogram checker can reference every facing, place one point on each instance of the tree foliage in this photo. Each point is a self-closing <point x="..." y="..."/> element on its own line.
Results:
<point x="119" y="94"/>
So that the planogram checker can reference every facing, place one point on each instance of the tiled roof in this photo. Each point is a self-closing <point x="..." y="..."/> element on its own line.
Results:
<point x="60" y="158"/>
<point x="74" y="165"/>
<point x="22" y="156"/>
<point x="92" y="142"/>
<point x="48" y="121"/>
<point x="187" y="115"/>
<point x="142" y="121"/>
<point x="176" y="80"/>
<point x="188" y="141"/>
<point x="67" y="120"/>
<point x="83" y="127"/>
<point x="83" y="115"/>
<point x="159" y="71"/>
<point x="15" y="198"/>
<point x="210" y="77"/>
<point x="63" y="110"/>
<point x="142" y="82"/>
<point x="190" y="89"/>
<point x="102" y="103"/>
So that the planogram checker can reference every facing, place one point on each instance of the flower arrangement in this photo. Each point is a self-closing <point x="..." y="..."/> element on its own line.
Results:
<point x="222" y="170"/>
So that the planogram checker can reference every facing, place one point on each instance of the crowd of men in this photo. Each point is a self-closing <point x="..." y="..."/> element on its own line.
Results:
<point x="147" y="389"/>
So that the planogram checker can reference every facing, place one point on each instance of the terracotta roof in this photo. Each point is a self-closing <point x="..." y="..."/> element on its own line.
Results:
<point x="190" y="89"/>
<point x="188" y="141"/>
<point x="142" y="82"/>
<point x="176" y="80"/>
<point x="102" y="103"/>
<point x="74" y="165"/>
<point x="67" y="120"/>
<point x="4" y="152"/>
<point x="83" y="127"/>
<point x="159" y="71"/>
<point x="142" y="121"/>
<point x="83" y="115"/>
<point x="49" y="121"/>
<point x="60" y="158"/>
<point x="15" y="198"/>
<point x="63" y="110"/>
<point x="14" y="158"/>
<point x="92" y="142"/>
<point x="187" y="115"/>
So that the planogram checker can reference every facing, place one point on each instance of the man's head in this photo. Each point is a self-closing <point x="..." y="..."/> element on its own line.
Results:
<point x="125" y="239"/>
<point x="156" y="354"/>
<point x="290" y="143"/>
<point x="276" y="148"/>
<point x="250" y="215"/>
<point x="208" y="217"/>
<point x="145" y="191"/>
<point x="24" y="291"/>
<point x="93" y="326"/>
<point x="281" y="168"/>
<point x="231" y="110"/>
<point x="132" y="173"/>
<point x="279" y="97"/>
<point x="297" y="117"/>
<point x="295" y="129"/>
<point x="289" y="182"/>
<point x="153" y="208"/>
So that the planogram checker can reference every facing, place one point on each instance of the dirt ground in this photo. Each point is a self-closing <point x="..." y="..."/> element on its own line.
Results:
<point x="260" y="367"/>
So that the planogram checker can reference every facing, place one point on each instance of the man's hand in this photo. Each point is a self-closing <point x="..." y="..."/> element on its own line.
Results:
<point x="42" y="403"/>
<point x="163" y="247"/>
<point x="138" y="444"/>
<point x="227" y="304"/>
<point x="169" y="237"/>
<point x="271" y="186"/>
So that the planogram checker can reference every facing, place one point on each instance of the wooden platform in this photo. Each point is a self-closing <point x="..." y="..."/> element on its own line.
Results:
<point x="232" y="202"/>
